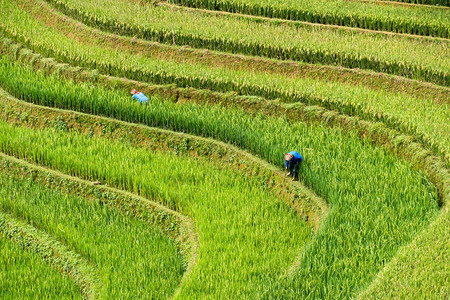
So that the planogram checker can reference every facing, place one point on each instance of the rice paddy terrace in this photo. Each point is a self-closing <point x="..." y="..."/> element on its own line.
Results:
<point x="185" y="197"/>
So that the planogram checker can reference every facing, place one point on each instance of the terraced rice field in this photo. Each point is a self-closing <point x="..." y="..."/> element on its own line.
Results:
<point x="186" y="196"/>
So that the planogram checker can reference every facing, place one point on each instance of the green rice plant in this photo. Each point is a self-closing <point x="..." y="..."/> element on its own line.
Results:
<point x="126" y="252"/>
<point x="422" y="118"/>
<point x="20" y="267"/>
<point x="420" y="270"/>
<point x="410" y="20"/>
<point x="237" y="128"/>
<point x="341" y="168"/>
<point x="417" y="59"/>
<point x="240" y="223"/>
<point x="423" y="2"/>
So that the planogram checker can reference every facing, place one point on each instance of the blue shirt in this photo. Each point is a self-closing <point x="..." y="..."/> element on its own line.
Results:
<point x="140" y="97"/>
<point x="296" y="159"/>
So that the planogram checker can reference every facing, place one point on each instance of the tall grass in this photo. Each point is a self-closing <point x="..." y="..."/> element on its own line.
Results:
<point x="400" y="56"/>
<point x="247" y="236"/>
<point x="20" y="267"/>
<point x="378" y="203"/>
<point x="420" y="270"/>
<point x="426" y="2"/>
<point x="422" y="118"/>
<point x="356" y="178"/>
<point x="412" y="20"/>
<point x="132" y="259"/>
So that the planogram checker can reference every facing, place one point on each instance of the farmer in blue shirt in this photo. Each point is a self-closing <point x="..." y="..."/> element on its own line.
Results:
<point x="139" y="96"/>
<point x="293" y="160"/>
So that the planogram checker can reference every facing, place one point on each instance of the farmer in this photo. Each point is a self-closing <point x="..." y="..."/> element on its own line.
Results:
<point x="293" y="160"/>
<point x="139" y="96"/>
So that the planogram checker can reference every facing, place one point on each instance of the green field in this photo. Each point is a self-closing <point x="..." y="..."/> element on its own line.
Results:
<point x="185" y="197"/>
<point x="419" y="20"/>
<point x="413" y="58"/>
<point x="126" y="252"/>
<point x="19" y="267"/>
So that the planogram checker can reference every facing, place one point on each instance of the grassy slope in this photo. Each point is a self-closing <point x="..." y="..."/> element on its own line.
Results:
<point x="431" y="15"/>
<point x="426" y="53"/>
<point x="127" y="252"/>
<point x="19" y="268"/>
<point x="222" y="213"/>
<point x="185" y="117"/>
<point x="424" y="118"/>
<point x="420" y="270"/>
<point x="377" y="81"/>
